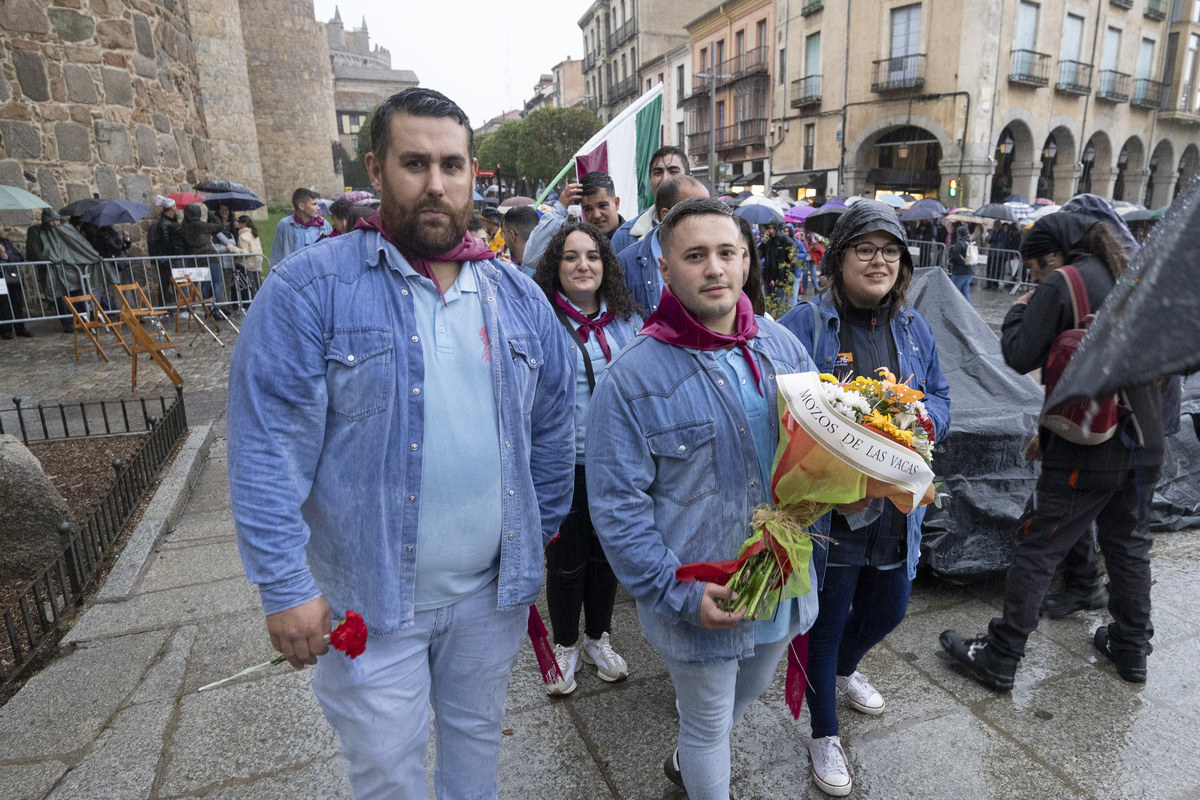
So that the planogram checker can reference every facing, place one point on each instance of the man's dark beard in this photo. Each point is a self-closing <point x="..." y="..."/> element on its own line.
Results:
<point x="407" y="230"/>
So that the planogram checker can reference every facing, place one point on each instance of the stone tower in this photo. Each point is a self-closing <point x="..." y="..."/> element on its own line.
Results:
<point x="291" y="85"/>
<point x="225" y="89"/>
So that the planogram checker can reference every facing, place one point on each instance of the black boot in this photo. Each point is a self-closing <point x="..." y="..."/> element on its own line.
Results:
<point x="1075" y="598"/>
<point x="1131" y="666"/>
<point x="981" y="660"/>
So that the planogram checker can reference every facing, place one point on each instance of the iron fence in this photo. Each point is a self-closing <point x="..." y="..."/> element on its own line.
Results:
<point x="40" y="607"/>
<point x="227" y="280"/>
<point x="898" y="72"/>
<point x="1001" y="267"/>
<point x="927" y="254"/>
<point x="1030" y="68"/>
<point x="48" y="423"/>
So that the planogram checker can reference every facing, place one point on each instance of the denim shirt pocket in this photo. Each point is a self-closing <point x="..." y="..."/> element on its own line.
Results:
<point x="526" y="353"/>
<point x="686" y="461"/>
<point x="358" y="371"/>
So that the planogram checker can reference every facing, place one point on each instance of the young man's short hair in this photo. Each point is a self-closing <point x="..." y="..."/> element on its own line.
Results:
<point x="689" y="207"/>
<point x="671" y="150"/>
<point x="522" y="219"/>
<point x="595" y="182"/>
<point x="340" y="209"/>
<point x="300" y="195"/>
<point x="477" y="225"/>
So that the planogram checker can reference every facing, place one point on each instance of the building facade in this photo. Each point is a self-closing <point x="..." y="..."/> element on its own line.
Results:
<point x="619" y="36"/>
<point x="568" y="83"/>
<point x="1037" y="99"/>
<point x="674" y="70"/>
<point x="362" y="78"/>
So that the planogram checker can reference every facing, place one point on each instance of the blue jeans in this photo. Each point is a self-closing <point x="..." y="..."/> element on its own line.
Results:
<point x="859" y="607"/>
<point x="963" y="284"/>
<point x="712" y="698"/>
<point x="459" y="659"/>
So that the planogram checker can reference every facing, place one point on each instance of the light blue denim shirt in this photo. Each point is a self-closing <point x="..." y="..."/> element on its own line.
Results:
<point x="617" y="333"/>
<point x="291" y="236"/>
<point x="674" y="476"/>
<point x="326" y="430"/>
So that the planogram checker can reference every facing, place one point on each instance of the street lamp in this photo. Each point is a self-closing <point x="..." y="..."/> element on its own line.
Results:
<point x="712" y="125"/>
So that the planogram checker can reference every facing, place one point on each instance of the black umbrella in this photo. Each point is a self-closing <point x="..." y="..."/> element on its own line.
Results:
<point x="822" y="220"/>
<point x="79" y="206"/>
<point x="220" y="185"/>
<point x="1148" y="326"/>
<point x="996" y="211"/>
<point x="235" y="200"/>
<point x="929" y="208"/>
<point x="114" y="212"/>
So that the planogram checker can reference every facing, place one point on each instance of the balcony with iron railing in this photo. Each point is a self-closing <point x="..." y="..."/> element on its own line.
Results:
<point x="1156" y="10"/>
<point x="623" y="89"/>
<point x="898" y="72"/>
<point x="750" y="132"/>
<point x="1148" y="93"/>
<point x="622" y="35"/>
<point x="589" y="61"/>
<point x="806" y="91"/>
<point x="1074" y="77"/>
<point x="698" y="144"/>
<point x="1126" y="4"/>
<point x="1114" y="86"/>
<point x="1030" y="68"/>
<point x="811" y="7"/>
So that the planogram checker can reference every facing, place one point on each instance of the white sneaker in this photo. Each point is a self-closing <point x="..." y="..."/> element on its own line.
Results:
<point x="861" y="695"/>
<point x="829" y="769"/>
<point x="609" y="665"/>
<point x="568" y="659"/>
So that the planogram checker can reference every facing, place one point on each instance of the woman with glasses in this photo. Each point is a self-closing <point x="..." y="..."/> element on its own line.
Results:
<point x="860" y="321"/>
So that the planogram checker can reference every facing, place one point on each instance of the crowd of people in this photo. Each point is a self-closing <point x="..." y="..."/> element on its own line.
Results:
<point x="428" y="413"/>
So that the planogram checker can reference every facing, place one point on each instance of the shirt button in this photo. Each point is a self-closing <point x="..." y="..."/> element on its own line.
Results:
<point x="771" y="376"/>
<point x="683" y="448"/>
<point x="414" y="446"/>
<point x="412" y="498"/>
<point x="511" y="537"/>
<point x="743" y="430"/>
<point x="415" y="339"/>
<point x="753" y="484"/>
<point x="441" y="330"/>
<point x="508" y="444"/>
<point x="491" y="299"/>
<point x="349" y="358"/>
<point x="533" y="362"/>
<point x="404" y="291"/>
<point x="828" y="359"/>
<point x="720" y="383"/>
<point x="416" y="390"/>
<point x="572" y="347"/>
<point x="511" y="492"/>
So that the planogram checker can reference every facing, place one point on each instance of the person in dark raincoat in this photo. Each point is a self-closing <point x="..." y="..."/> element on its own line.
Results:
<point x="71" y="258"/>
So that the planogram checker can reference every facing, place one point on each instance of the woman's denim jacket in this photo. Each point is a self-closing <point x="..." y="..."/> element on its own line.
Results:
<point x="673" y="477"/>
<point x="917" y="352"/>
<point x="326" y="431"/>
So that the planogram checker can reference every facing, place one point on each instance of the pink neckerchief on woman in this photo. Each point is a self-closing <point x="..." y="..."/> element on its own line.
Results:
<point x="671" y="323"/>
<point x="586" y="326"/>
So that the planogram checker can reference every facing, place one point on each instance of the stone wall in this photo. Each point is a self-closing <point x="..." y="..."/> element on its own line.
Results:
<point x="291" y="83"/>
<point x="225" y="88"/>
<point x="98" y="96"/>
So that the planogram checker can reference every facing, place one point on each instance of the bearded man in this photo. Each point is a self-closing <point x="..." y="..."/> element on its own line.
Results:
<point x="401" y="444"/>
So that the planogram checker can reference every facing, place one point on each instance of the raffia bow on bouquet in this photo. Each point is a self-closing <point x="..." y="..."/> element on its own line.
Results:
<point x="839" y="443"/>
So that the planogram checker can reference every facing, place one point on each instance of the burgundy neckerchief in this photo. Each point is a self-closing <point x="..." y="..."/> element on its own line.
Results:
<point x="316" y="222"/>
<point x="587" y="325"/>
<point x="469" y="249"/>
<point x="671" y="323"/>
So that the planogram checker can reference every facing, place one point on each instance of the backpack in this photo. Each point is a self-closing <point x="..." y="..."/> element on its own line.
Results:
<point x="1087" y="421"/>
<point x="971" y="258"/>
<point x="155" y="244"/>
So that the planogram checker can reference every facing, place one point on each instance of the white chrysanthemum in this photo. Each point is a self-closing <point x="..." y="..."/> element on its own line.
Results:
<point x="904" y="421"/>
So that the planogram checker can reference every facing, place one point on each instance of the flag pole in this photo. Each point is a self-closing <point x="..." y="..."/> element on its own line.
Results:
<point x="541" y="197"/>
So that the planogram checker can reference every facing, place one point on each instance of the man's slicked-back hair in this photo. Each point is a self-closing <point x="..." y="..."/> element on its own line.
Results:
<point x="522" y="219"/>
<point x="417" y="102"/>
<point x="689" y="207"/>
<point x="594" y="182"/>
<point x="672" y="150"/>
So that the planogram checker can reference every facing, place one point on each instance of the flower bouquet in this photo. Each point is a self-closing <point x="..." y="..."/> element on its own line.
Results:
<point x="838" y="444"/>
<point x="349" y="636"/>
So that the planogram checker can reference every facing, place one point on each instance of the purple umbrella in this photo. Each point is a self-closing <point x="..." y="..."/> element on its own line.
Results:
<point x="798" y="213"/>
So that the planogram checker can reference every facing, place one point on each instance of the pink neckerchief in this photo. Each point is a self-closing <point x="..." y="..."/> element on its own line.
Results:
<point x="316" y="222"/>
<point x="673" y="324"/>
<point x="586" y="326"/>
<point x="469" y="249"/>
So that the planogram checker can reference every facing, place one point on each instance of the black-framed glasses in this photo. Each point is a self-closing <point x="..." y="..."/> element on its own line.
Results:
<point x="866" y="251"/>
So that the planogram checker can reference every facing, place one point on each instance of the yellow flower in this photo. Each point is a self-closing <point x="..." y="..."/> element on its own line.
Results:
<point x="827" y="378"/>
<point x="902" y="435"/>
<point x="878" y="420"/>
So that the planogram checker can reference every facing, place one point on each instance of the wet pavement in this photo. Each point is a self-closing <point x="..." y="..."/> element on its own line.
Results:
<point x="116" y="715"/>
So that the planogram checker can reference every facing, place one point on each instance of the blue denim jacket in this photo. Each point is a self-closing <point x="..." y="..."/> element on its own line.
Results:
<point x="673" y="477"/>
<point x="642" y="273"/>
<point x="326" y="430"/>
<point x="918" y="356"/>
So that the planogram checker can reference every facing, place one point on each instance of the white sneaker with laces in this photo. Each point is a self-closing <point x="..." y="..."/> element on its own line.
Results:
<point x="829" y="769"/>
<point x="568" y="659"/>
<point x="609" y="665"/>
<point x="860" y="695"/>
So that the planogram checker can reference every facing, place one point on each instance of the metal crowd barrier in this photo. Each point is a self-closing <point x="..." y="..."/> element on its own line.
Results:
<point x="228" y="280"/>
<point x="927" y="254"/>
<point x="999" y="267"/>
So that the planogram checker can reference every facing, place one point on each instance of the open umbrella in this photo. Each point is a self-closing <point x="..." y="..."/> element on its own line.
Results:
<point x="798" y="213"/>
<point x="477" y="197"/>
<point x="908" y="198"/>
<point x="852" y="199"/>
<point x="517" y="200"/>
<point x="358" y="195"/>
<point x="1020" y="210"/>
<point x="1017" y="198"/>
<point x="1159" y="213"/>
<point x="758" y="213"/>
<point x="822" y="220"/>
<point x="235" y="200"/>
<point x="1136" y="214"/>
<point x="740" y="198"/>
<point x="1043" y="201"/>
<point x="220" y="185"/>
<point x="893" y="200"/>
<point x="79" y="206"/>
<point x="835" y="198"/>
<point x="929" y="208"/>
<point x="14" y="199"/>
<point x="1148" y="326"/>
<point x="996" y="211"/>
<point x="114" y="212"/>
<point x="1043" y="211"/>
<point x="186" y="198"/>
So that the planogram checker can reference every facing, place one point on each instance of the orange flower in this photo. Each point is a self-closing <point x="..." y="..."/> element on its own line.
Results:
<point x="899" y="391"/>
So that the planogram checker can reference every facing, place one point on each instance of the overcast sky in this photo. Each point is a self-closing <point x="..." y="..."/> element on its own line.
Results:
<point x="486" y="55"/>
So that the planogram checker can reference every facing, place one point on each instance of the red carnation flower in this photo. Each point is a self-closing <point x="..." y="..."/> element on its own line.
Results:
<point x="350" y="636"/>
<point x="927" y="424"/>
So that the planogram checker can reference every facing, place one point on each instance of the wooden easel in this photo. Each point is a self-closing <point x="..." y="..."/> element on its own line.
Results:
<point x="187" y="298"/>
<point x="91" y="327"/>
<point x="142" y="343"/>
